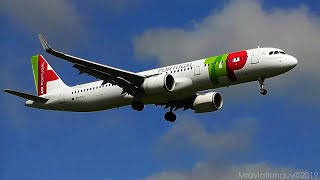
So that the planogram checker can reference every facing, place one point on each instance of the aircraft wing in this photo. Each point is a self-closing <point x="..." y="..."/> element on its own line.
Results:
<point x="129" y="81"/>
<point x="27" y="96"/>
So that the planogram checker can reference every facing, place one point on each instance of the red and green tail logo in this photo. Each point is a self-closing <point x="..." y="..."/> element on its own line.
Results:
<point x="42" y="73"/>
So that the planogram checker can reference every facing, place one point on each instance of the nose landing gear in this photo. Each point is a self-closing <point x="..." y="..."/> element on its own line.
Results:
<point x="262" y="90"/>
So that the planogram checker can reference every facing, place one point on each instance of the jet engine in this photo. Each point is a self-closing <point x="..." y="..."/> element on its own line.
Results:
<point x="159" y="84"/>
<point x="207" y="102"/>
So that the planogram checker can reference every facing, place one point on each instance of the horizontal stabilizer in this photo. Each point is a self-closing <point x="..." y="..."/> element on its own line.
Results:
<point x="27" y="96"/>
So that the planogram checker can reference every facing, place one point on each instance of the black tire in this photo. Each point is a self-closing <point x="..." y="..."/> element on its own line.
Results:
<point x="263" y="92"/>
<point x="170" y="116"/>
<point x="137" y="105"/>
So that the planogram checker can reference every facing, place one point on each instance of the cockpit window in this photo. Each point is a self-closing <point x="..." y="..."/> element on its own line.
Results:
<point x="276" y="52"/>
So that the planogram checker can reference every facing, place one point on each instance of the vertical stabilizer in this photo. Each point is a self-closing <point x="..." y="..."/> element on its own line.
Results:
<point x="45" y="78"/>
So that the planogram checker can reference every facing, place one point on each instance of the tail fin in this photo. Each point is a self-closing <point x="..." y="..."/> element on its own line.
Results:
<point x="45" y="78"/>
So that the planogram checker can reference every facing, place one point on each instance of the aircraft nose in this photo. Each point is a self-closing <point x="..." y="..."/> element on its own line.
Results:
<point x="291" y="62"/>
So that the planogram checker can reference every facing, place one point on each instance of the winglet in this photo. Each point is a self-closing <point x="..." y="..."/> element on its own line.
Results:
<point x="44" y="43"/>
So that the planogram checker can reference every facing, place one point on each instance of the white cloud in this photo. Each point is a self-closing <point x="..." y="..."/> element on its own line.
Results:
<point x="52" y="17"/>
<point x="209" y="171"/>
<point x="242" y="25"/>
<point x="190" y="133"/>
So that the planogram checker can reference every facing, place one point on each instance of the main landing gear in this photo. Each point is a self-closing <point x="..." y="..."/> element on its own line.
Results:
<point x="137" y="105"/>
<point x="262" y="90"/>
<point x="170" y="116"/>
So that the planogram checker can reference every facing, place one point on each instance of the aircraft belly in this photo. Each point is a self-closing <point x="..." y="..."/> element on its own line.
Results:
<point x="171" y="96"/>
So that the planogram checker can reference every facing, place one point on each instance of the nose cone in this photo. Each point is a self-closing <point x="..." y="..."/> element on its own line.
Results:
<point x="291" y="62"/>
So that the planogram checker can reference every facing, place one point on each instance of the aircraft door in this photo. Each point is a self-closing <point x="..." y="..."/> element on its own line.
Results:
<point x="255" y="56"/>
<point x="197" y="69"/>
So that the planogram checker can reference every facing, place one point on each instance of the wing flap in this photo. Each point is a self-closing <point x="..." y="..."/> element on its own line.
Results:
<point x="27" y="96"/>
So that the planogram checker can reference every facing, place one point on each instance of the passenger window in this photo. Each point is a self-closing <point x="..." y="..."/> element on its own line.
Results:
<point x="276" y="52"/>
<point x="270" y="53"/>
<point x="282" y="52"/>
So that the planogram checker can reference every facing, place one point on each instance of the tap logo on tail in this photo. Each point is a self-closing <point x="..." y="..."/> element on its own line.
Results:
<point x="43" y="74"/>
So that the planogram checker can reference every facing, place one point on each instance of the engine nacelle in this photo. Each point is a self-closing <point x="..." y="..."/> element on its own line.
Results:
<point x="158" y="84"/>
<point x="183" y="83"/>
<point x="207" y="102"/>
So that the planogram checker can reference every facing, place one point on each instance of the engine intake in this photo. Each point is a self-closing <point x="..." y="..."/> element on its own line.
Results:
<point x="207" y="102"/>
<point x="159" y="84"/>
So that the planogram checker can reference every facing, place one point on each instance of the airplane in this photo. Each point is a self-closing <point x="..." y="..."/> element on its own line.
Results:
<point x="180" y="86"/>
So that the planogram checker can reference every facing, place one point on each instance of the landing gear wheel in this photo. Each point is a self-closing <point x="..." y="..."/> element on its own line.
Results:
<point x="263" y="92"/>
<point x="137" y="105"/>
<point x="170" y="116"/>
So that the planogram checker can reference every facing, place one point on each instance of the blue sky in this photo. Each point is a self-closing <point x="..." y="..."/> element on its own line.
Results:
<point x="275" y="133"/>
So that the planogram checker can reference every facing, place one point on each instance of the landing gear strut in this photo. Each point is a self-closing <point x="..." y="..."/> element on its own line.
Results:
<point x="262" y="90"/>
<point x="137" y="105"/>
<point x="170" y="116"/>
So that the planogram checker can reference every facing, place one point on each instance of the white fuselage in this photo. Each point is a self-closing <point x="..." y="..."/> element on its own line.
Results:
<point x="95" y="97"/>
